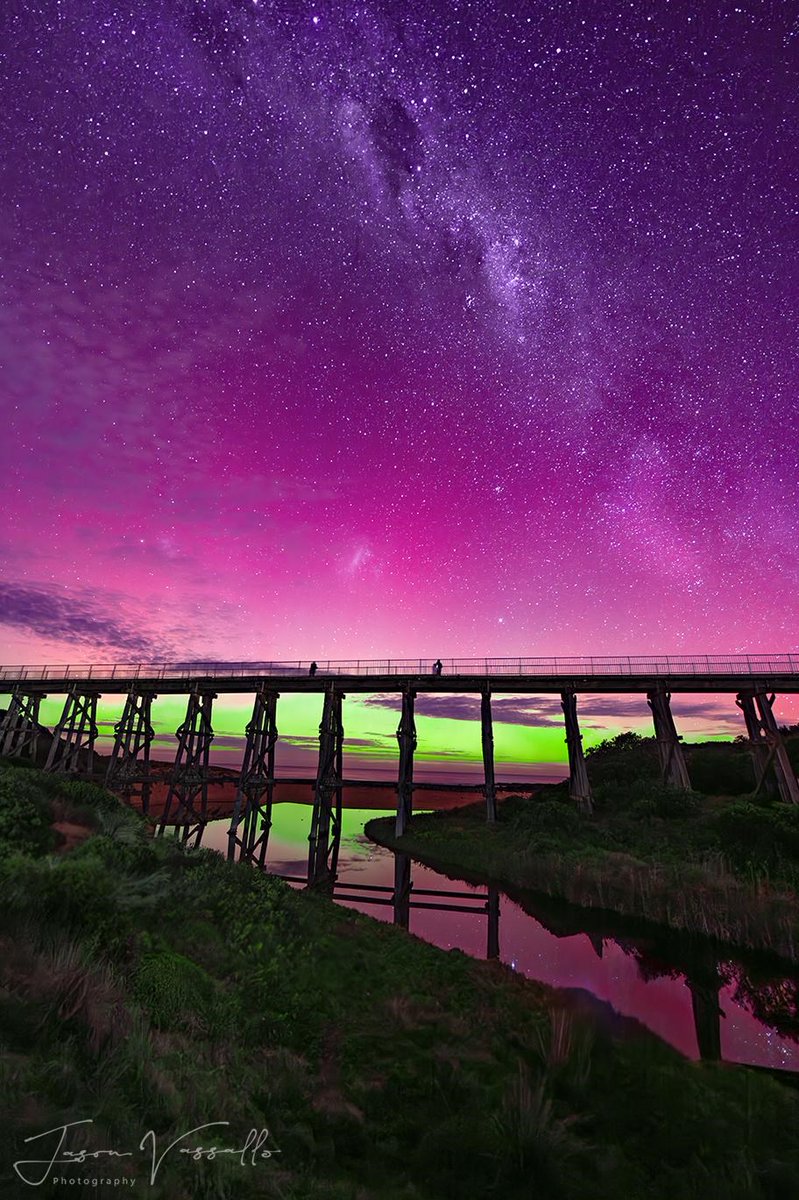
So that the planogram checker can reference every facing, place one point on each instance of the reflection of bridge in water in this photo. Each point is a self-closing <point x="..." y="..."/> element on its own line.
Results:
<point x="696" y="964"/>
<point x="753" y="680"/>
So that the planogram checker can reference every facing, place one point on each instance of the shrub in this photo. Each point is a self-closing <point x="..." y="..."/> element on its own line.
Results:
<point x="175" y="992"/>
<point x="622" y="760"/>
<point x="122" y="856"/>
<point x="722" y="769"/>
<point x="609" y="747"/>
<point x="752" y="833"/>
<point x="66" y="892"/>
<point x="79" y="890"/>
<point x="553" y="816"/>
<point x="535" y="1143"/>
<point x="673" y="802"/>
<point x="646" y="798"/>
<point x="25" y="815"/>
<point x="80" y="791"/>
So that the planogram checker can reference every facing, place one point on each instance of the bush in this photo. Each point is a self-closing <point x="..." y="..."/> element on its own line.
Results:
<point x="79" y="791"/>
<point x="553" y="816"/>
<point x="721" y="769"/>
<point x="752" y="833"/>
<point x="175" y="992"/>
<point x="622" y="760"/>
<point x="79" y="890"/>
<point x="646" y="798"/>
<point x="123" y="857"/>
<point x="610" y="747"/>
<point x="25" y="815"/>
<point x="674" y="802"/>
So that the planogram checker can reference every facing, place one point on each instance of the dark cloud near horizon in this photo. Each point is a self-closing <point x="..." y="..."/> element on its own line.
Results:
<point x="309" y="742"/>
<point x="509" y="710"/>
<point x="545" y="711"/>
<point x="75" y="617"/>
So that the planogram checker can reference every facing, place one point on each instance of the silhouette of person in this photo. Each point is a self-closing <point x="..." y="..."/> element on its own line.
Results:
<point x="313" y="669"/>
<point x="438" y="667"/>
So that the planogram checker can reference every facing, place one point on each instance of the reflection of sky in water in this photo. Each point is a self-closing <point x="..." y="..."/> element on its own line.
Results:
<point x="663" y="1004"/>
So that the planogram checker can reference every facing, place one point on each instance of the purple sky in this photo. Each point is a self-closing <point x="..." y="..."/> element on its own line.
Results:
<point x="358" y="329"/>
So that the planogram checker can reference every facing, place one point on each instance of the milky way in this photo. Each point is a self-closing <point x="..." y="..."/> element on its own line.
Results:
<point x="394" y="329"/>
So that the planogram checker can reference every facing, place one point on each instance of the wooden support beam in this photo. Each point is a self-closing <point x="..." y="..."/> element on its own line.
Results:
<point x="402" y="890"/>
<point x="673" y="768"/>
<point x="187" y="798"/>
<point x="12" y="723"/>
<point x="130" y="757"/>
<point x="487" y="737"/>
<point x="598" y="942"/>
<point x="707" y="1015"/>
<point x="252" y="808"/>
<point x="492" y="908"/>
<point x="325" y="836"/>
<point x="406" y="737"/>
<point x="72" y="747"/>
<point x="20" y="728"/>
<point x="765" y="780"/>
<point x="579" y="786"/>
<point x="786" y="777"/>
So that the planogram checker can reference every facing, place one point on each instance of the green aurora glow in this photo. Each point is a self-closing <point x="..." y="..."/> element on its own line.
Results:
<point x="370" y="731"/>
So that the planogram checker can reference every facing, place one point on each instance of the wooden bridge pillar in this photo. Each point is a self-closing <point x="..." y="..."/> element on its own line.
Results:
<point x="707" y="1014"/>
<point x="402" y="890"/>
<point x="579" y="786"/>
<point x="765" y="780"/>
<point x="492" y="908"/>
<point x="75" y="734"/>
<point x="255" y="792"/>
<point x="325" y="835"/>
<point x="487" y="729"/>
<point x="19" y="728"/>
<point x="598" y="943"/>
<point x="673" y="769"/>
<point x="777" y="754"/>
<point x="406" y="737"/>
<point x="187" y="797"/>
<point x="133" y="734"/>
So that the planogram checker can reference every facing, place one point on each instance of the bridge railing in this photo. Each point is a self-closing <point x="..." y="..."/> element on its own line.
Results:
<point x="638" y="665"/>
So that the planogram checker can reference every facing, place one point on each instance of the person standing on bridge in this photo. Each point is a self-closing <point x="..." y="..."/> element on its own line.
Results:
<point x="438" y="667"/>
<point x="313" y="669"/>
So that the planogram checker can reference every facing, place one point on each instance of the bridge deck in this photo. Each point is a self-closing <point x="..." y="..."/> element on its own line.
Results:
<point x="713" y="673"/>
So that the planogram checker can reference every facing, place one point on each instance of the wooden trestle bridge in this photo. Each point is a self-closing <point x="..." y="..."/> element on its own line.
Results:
<point x="754" y="681"/>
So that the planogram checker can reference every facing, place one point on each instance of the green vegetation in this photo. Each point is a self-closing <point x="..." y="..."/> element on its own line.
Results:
<point x="149" y="987"/>
<point x="26" y="815"/>
<point x="727" y="867"/>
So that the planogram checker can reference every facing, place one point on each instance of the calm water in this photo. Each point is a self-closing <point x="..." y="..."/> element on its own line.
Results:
<point x="675" y="993"/>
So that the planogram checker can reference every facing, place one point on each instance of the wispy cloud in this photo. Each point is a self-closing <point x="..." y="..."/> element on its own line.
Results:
<point x="511" y="710"/>
<point x="597" y="712"/>
<point x="75" y="617"/>
<point x="309" y="742"/>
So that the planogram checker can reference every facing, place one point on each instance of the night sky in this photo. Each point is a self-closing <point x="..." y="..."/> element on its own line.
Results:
<point x="365" y="329"/>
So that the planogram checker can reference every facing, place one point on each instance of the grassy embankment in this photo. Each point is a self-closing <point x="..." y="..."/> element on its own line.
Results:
<point x="713" y="862"/>
<point x="147" y="987"/>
